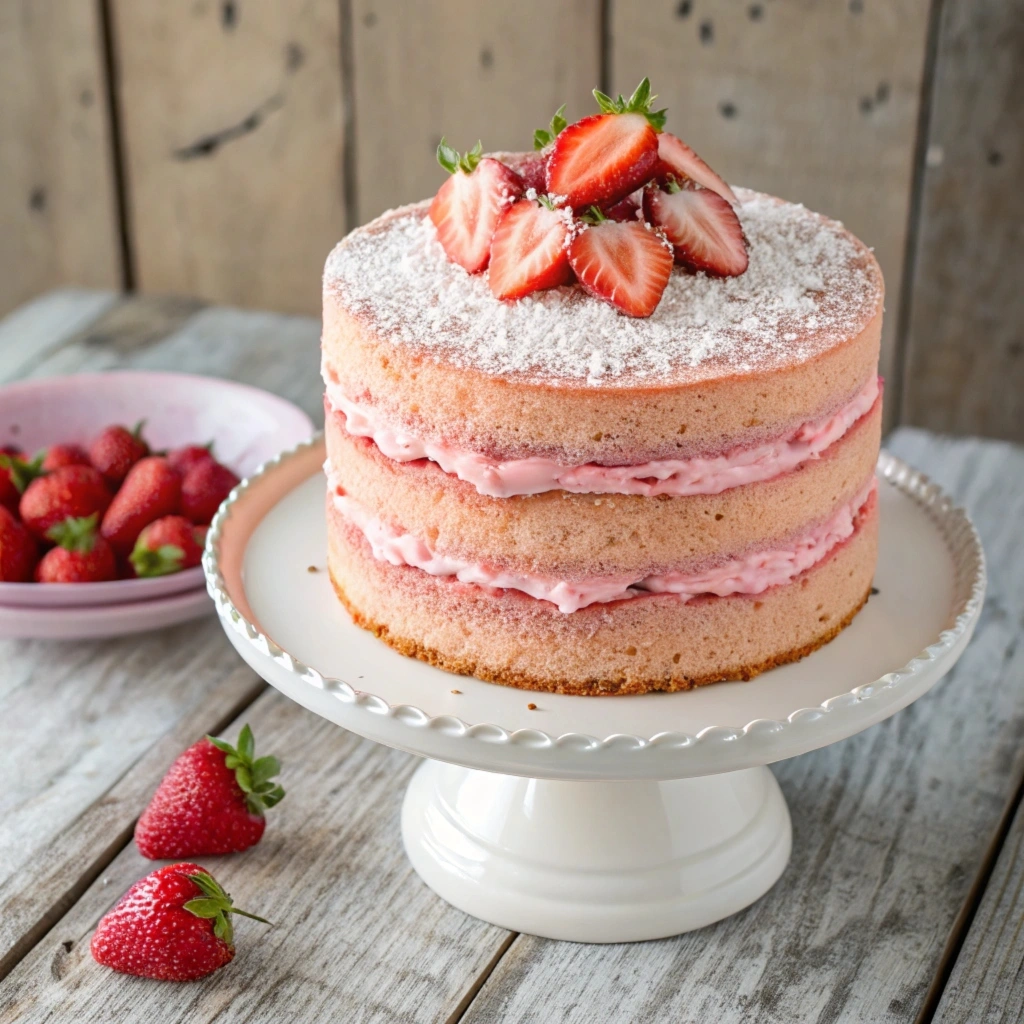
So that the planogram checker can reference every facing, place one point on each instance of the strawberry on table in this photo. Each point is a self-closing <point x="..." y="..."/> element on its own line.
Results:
<point x="116" y="450"/>
<point x="203" y="488"/>
<point x="18" y="551"/>
<point x="151" y="490"/>
<point x="16" y="473"/>
<point x="676" y="159"/>
<point x="624" y="263"/>
<point x="72" y="491"/>
<point x="81" y="555"/>
<point x="701" y="225"/>
<point x="604" y="157"/>
<point x="183" y="459"/>
<point x="172" y="925"/>
<point x="167" y="545"/>
<point x="211" y="801"/>
<point x="528" y="251"/>
<point x="59" y="455"/>
<point x="467" y="206"/>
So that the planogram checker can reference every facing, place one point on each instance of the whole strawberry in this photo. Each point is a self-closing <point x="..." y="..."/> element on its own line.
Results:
<point x="116" y="450"/>
<point x="203" y="488"/>
<point x="168" y="545"/>
<point x="183" y="459"/>
<point x="172" y="925"/>
<point x="59" y="455"/>
<point x="76" y="491"/>
<point x="18" y="552"/>
<point x="16" y="473"/>
<point x="81" y="554"/>
<point x="210" y="802"/>
<point x="151" y="490"/>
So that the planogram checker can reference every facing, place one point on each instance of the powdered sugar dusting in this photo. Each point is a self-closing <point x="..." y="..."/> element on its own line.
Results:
<point x="810" y="285"/>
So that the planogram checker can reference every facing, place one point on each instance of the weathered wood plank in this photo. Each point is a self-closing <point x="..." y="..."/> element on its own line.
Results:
<point x="987" y="983"/>
<point x="270" y="350"/>
<point x="58" y="213"/>
<point x="465" y="70"/>
<point x="965" y="351"/>
<point x="890" y="829"/>
<point x="817" y="103"/>
<point x="31" y="331"/>
<point x="356" y="936"/>
<point x="232" y="117"/>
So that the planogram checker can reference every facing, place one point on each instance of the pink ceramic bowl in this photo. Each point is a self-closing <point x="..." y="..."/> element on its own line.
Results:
<point x="246" y="425"/>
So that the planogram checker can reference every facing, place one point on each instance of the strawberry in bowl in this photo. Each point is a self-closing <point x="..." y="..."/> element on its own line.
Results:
<point x="107" y="485"/>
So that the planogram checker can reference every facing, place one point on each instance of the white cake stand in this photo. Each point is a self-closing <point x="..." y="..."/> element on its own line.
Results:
<point x="593" y="819"/>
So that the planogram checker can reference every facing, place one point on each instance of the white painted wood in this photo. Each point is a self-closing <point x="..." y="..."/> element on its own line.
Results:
<point x="32" y="330"/>
<point x="356" y="936"/>
<point x="890" y="829"/>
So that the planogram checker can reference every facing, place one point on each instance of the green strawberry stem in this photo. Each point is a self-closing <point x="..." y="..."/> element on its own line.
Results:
<point x="22" y="472"/>
<point x="639" y="103"/>
<point x="593" y="216"/>
<point x="215" y="904"/>
<point x="253" y="774"/>
<point x="161" y="561"/>
<point x="75" y="533"/>
<point x="453" y="162"/>
<point x="544" y="136"/>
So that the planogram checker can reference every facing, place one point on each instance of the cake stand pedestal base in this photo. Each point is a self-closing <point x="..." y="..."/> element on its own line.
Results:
<point x="596" y="861"/>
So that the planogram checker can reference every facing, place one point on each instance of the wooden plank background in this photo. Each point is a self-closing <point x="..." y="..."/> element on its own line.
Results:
<point x="216" y="149"/>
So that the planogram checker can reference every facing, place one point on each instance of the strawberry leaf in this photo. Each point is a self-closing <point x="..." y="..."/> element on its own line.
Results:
<point x="451" y="160"/>
<point x="161" y="561"/>
<point x="639" y="103"/>
<point x="544" y="136"/>
<point x="252" y="774"/>
<point x="75" y="533"/>
<point x="21" y="471"/>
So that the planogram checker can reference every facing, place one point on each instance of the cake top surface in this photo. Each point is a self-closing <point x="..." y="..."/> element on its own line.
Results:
<point x="810" y="286"/>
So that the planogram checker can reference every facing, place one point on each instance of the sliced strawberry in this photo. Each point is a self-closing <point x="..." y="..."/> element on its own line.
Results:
<point x="701" y="225"/>
<point x="604" y="157"/>
<point x="676" y="158"/>
<point x="528" y="252"/>
<point x="467" y="206"/>
<point x="624" y="209"/>
<point x="623" y="263"/>
<point x="531" y="168"/>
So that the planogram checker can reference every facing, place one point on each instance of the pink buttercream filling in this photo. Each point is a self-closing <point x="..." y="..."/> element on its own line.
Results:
<point x="752" y="573"/>
<point x="535" y="474"/>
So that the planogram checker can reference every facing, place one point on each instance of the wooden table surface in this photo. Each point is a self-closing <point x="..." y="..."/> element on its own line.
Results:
<point x="904" y="899"/>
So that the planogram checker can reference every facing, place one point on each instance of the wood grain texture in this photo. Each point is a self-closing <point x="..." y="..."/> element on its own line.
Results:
<point x="232" y="116"/>
<point x="31" y="331"/>
<point x="965" y="346"/>
<point x="814" y="102"/>
<point x="987" y="983"/>
<point x="356" y="937"/>
<point x="58" y="217"/>
<point x="890" y="828"/>
<point x="465" y="70"/>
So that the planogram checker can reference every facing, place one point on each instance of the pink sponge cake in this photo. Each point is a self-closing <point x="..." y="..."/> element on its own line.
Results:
<point x="571" y="488"/>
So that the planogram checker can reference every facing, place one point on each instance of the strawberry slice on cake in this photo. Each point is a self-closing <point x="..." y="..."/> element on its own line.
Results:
<point x="528" y="251"/>
<point x="467" y="206"/>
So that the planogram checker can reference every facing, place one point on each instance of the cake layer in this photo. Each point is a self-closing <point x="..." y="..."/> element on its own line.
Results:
<point x="574" y="536"/>
<point x="649" y="642"/>
<point x="750" y="573"/>
<point x="534" y="475"/>
<point x="721" y="364"/>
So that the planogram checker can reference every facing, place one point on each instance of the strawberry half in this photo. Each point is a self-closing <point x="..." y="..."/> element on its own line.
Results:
<point x="701" y="225"/>
<point x="528" y="252"/>
<point x="624" y="263"/>
<point x="467" y="206"/>
<point x="677" y="159"/>
<point x="604" y="157"/>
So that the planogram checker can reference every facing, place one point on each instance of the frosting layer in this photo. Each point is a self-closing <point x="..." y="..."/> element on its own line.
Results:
<point x="752" y="573"/>
<point x="535" y="475"/>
